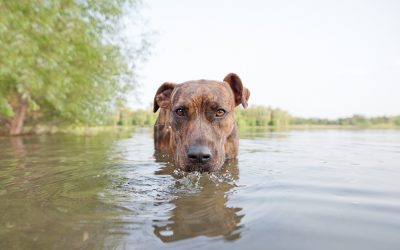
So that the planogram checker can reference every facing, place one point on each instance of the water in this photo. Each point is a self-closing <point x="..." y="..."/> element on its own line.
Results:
<point x="316" y="189"/>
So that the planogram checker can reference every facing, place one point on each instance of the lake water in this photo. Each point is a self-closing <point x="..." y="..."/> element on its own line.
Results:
<point x="299" y="189"/>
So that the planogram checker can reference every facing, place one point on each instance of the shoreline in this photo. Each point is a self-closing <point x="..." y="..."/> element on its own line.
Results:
<point x="94" y="130"/>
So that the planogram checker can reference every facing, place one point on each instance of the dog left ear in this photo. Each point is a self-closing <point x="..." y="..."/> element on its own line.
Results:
<point x="240" y="93"/>
<point x="163" y="95"/>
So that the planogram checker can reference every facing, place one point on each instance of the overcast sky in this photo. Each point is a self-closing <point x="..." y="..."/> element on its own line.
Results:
<point x="311" y="58"/>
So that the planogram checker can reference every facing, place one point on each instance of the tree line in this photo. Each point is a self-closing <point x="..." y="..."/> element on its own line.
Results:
<point x="355" y="120"/>
<point x="262" y="116"/>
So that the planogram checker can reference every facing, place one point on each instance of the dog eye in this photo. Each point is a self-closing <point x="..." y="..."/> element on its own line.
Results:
<point x="220" y="113"/>
<point x="180" y="112"/>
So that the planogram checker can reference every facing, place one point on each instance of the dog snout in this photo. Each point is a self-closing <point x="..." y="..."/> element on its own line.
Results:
<point x="199" y="154"/>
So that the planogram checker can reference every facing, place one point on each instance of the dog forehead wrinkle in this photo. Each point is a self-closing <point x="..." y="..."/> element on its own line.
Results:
<point x="202" y="97"/>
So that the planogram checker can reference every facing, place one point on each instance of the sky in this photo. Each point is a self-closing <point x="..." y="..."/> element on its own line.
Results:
<point x="312" y="58"/>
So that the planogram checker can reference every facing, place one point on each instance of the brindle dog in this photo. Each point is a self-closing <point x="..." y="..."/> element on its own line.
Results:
<point x="197" y="121"/>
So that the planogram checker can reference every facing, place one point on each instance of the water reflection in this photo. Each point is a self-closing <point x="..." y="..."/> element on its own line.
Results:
<point x="262" y="132"/>
<point x="18" y="150"/>
<point x="200" y="204"/>
<point x="49" y="190"/>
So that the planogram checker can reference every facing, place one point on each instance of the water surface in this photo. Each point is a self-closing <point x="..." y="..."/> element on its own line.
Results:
<point x="315" y="189"/>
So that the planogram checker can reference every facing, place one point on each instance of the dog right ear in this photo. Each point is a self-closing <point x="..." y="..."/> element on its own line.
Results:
<point x="241" y="94"/>
<point x="163" y="95"/>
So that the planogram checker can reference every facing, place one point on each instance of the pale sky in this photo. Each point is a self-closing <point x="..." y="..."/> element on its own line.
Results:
<point x="312" y="58"/>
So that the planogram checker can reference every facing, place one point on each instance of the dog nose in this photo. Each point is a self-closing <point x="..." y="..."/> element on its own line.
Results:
<point x="199" y="153"/>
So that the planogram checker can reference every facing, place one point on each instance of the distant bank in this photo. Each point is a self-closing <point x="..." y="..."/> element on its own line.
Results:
<point x="256" y="117"/>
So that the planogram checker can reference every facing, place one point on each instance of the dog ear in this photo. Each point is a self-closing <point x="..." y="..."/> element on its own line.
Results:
<point x="162" y="97"/>
<point x="240" y="93"/>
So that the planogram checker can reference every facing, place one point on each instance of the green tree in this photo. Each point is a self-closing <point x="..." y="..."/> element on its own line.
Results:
<point x="359" y="120"/>
<point x="142" y="117"/>
<point x="59" y="59"/>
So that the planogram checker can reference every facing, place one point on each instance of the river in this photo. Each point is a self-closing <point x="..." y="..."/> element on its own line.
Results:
<point x="296" y="189"/>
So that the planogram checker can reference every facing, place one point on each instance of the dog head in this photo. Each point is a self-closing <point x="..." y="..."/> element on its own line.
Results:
<point x="201" y="116"/>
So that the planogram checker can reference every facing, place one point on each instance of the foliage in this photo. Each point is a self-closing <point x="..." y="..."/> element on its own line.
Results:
<point x="138" y="117"/>
<point x="355" y="120"/>
<point x="142" y="117"/>
<point x="60" y="57"/>
<point x="262" y="116"/>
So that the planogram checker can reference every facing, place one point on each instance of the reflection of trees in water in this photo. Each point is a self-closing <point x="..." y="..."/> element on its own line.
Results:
<point x="204" y="212"/>
<point x="262" y="132"/>
<point x="49" y="193"/>
<point x="18" y="150"/>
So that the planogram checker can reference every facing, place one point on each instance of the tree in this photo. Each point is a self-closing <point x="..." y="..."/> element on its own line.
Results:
<point x="58" y="59"/>
<point x="359" y="120"/>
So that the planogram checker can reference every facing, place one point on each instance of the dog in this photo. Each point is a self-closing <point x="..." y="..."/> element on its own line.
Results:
<point x="196" y="122"/>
